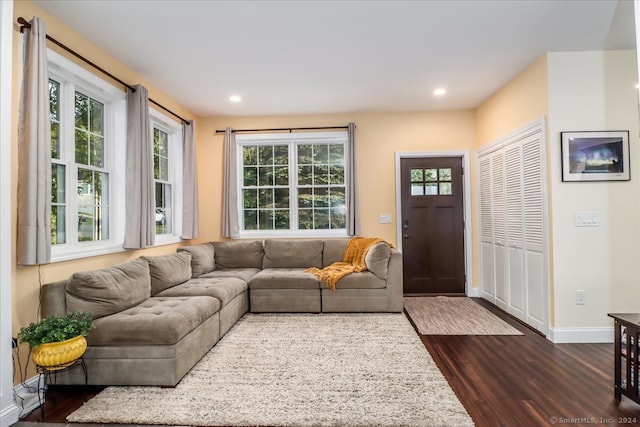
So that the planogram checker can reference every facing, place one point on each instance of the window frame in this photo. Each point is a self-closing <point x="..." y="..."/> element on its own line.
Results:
<point x="292" y="140"/>
<point x="72" y="78"/>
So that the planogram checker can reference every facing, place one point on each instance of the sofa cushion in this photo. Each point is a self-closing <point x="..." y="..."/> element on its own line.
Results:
<point x="377" y="259"/>
<point x="333" y="251"/>
<point x="292" y="253"/>
<point x="241" y="273"/>
<point x="238" y="254"/>
<point x="284" y="278"/>
<point x="202" y="258"/>
<point x="168" y="270"/>
<point x="224" y="289"/>
<point x="363" y="280"/>
<point x="109" y="290"/>
<point x="155" y="321"/>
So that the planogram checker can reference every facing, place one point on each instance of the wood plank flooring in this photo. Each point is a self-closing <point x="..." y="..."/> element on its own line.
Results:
<point x="529" y="381"/>
<point x="501" y="381"/>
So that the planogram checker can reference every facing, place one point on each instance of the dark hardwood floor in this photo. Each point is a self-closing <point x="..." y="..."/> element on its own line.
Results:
<point x="529" y="381"/>
<point x="501" y="381"/>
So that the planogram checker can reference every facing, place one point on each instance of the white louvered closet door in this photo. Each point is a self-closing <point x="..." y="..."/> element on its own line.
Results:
<point x="514" y="258"/>
<point x="515" y="238"/>
<point x="534" y="232"/>
<point x="499" y="229"/>
<point x="486" y="230"/>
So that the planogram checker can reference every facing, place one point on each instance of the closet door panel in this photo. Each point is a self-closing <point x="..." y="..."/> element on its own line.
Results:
<point x="488" y="283"/>
<point x="536" y="295"/>
<point x="499" y="228"/>
<point x="486" y="230"/>
<point x="534" y="233"/>
<point x="514" y="232"/>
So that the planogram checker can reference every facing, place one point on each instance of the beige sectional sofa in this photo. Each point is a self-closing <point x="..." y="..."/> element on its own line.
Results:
<point x="156" y="316"/>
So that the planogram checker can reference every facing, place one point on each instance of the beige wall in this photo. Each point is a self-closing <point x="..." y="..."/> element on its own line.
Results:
<point x="378" y="137"/>
<point x="26" y="280"/>
<point x="519" y="102"/>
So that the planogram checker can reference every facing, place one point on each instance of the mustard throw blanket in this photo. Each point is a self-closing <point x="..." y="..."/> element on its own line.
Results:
<point x="352" y="261"/>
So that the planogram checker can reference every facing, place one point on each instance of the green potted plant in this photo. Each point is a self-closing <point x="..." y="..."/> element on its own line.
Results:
<point x="57" y="342"/>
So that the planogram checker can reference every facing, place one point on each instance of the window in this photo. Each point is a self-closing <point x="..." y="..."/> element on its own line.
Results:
<point x="88" y="137"/>
<point x="431" y="182"/>
<point x="167" y="175"/>
<point x="292" y="183"/>
<point x="88" y="154"/>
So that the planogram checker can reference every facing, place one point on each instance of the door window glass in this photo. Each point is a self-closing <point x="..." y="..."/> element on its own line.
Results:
<point x="431" y="182"/>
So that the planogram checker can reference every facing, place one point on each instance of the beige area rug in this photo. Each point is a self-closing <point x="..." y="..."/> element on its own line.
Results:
<point x="454" y="316"/>
<point x="298" y="370"/>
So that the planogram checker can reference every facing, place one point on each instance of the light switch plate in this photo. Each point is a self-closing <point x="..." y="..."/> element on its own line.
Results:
<point x="587" y="219"/>
<point x="385" y="218"/>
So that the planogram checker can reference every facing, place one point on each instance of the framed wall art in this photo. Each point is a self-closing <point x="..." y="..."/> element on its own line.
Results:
<point x="595" y="156"/>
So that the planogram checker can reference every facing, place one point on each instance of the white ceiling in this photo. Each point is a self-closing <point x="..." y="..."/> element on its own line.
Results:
<point x="299" y="57"/>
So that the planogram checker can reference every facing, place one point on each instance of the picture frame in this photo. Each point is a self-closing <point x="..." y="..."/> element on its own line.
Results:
<point x="595" y="156"/>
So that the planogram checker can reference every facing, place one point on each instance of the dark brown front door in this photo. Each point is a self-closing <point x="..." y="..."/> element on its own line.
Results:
<point x="432" y="225"/>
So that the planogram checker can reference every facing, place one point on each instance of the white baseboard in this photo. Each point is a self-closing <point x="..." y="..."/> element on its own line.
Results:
<point x="28" y="396"/>
<point x="9" y="415"/>
<point x="581" y="335"/>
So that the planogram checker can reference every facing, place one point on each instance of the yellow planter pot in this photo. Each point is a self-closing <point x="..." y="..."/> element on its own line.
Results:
<point x="58" y="355"/>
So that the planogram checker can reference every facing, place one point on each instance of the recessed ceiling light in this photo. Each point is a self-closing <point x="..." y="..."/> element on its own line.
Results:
<point x="235" y="98"/>
<point x="440" y="91"/>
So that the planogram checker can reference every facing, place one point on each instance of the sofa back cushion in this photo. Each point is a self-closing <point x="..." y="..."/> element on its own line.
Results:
<point x="292" y="253"/>
<point x="202" y="261"/>
<point x="109" y="290"/>
<point x="377" y="259"/>
<point x="168" y="270"/>
<point x="333" y="251"/>
<point x="238" y="254"/>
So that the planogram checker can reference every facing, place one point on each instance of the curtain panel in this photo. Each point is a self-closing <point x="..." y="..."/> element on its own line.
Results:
<point x="190" y="183"/>
<point x="230" y="221"/>
<point x="353" y="212"/>
<point x="139" y="187"/>
<point x="34" y="152"/>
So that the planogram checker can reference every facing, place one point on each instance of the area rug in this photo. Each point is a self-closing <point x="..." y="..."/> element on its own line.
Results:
<point x="298" y="370"/>
<point x="454" y="316"/>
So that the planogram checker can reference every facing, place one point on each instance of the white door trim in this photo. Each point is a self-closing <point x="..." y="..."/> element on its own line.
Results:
<point x="470" y="289"/>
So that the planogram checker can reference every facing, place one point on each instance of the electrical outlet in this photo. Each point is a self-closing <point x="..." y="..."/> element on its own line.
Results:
<point x="14" y="342"/>
<point x="581" y="297"/>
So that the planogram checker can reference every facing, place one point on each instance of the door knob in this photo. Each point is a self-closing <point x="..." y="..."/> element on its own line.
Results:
<point x="405" y="235"/>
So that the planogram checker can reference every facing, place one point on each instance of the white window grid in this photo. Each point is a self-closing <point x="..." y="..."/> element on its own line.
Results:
<point x="291" y="140"/>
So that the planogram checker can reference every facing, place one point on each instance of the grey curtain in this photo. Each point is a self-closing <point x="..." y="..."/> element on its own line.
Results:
<point x="34" y="152"/>
<point x="230" y="222"/>
<point x="140" y="200"/>
<point x="353" y="213"/>
<point x="189" y="183"/>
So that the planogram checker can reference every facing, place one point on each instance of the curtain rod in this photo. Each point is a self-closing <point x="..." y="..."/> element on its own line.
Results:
<point x="24" y="24"/>
<point x="290" y="130"/>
